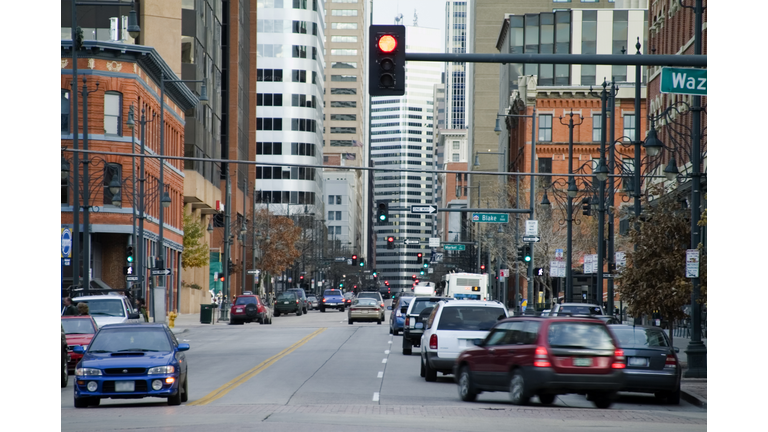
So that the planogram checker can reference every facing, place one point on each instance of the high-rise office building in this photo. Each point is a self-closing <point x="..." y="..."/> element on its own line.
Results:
<point x="344" y="134"/>
<point x="402" y="137"/>
<point x="457" y="36"/>
<point x="289" y="112"/>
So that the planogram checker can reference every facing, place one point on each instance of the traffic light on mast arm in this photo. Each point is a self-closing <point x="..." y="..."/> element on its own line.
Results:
<point x="419" y="258"/>
<point x="390" y="242"/>
<point x="527" y="253"/>
<point x="387" y="60"/>
<point x="354" y="259"/>
<point x="383" y="212"/>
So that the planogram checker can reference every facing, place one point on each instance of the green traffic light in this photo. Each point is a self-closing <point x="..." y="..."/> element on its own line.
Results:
<point x="422" y="272"/>
<point x="528" y="258"/>
<point x="382" y="217"/>
<point x="130" y="259"/>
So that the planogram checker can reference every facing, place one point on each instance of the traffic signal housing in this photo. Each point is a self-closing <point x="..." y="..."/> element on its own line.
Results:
<point x="362" y="262"/>
<point x="387" y="60"/>
<point x="586" y="210"/>
<point x="129" y="255"/>
<point x="527" y="253"/>
<point x="354" y="259"/>
<point x="383" y="212"/>
<point x="390" y="242"/>
<point x="521" y="253"/>
<point x="419" y="258"/>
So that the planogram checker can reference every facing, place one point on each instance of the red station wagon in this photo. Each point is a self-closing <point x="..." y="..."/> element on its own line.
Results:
<point x="249" y="308"/>
<point x="544" y="357"/>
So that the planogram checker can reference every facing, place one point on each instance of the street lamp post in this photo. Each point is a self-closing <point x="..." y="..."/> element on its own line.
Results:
<point x="572" y="191"/>
<point x="165" y="198"/>
<point x="86" y="215"/>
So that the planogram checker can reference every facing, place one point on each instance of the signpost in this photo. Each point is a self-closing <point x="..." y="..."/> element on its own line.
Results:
<point x="533" y="238"/>
<point x="692" y="263"/>
<point x="132" y="278"/>
<point x="66" y="246"/>
<point x="423" y="209"/>
<point x="434" y="242"/>
<point x="531" y="228"/>
<point x="161" y="272"/>
<point x="490" y="217"/>
<point x="684" y="81"/>
<point x="557" y="268"/>
<point x="340" y="259"/>
<point x="252" y="272"/>
<point x="408" y="242"/>
<point x="504" y="273"/>
<point x="454" y="247"/>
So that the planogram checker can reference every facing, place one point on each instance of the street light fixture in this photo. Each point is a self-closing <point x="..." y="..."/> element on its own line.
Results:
<point x="652" y="144"/>
<point x="671" y="171"/>
<point x="165" y="200"/>
<point x="64" y="169"/>
<point x="133" y="27"/>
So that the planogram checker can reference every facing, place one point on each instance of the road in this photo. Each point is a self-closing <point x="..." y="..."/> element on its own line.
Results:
<point x="317" y="373"/>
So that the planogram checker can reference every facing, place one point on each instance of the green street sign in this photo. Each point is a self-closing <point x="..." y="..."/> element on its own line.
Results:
<point x="684" y="81"/>
<point x="490" y="217"/>
<point x="454" y="247"/>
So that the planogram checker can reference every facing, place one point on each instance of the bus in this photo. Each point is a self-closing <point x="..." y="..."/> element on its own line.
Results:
<point x="469" y="286"/>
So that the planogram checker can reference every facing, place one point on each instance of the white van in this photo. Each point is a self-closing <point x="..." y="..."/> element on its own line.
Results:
<point x="426" y="289"/>
<point x="110" y="309"/>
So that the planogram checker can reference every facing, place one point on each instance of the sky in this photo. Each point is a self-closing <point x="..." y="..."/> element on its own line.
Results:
<point x="431" y="13"/>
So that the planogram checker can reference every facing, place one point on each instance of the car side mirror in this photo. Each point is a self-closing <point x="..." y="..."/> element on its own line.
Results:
<point x="677" y="350"/>
<point x="133" y="315"/>
<point x="77" y="349"/>
<point x="389" y="307"/>
<point x="183" y="347"/>
<point x="478" y="342"/>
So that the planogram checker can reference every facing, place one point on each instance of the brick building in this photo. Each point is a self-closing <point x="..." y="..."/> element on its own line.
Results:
<point x="127" y="75"/>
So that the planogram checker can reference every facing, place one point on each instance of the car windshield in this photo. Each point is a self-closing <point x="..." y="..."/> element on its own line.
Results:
<point x="312" y="298"/>
<point x="405" y="301"/>
<point x="104" y="307"/>
<point x="297" y="292"/>
<point x="134" y="338"/>
<point x="245" y="300"/>
<point x="331" y="293"/>
<point x="580" y="310"/>
<point x="286" y="297"/>
<point x="369" y="295"/>
<point x="78" y="326"/>
<point x="470" y="318"/>
<point x="421" y="305"/>
<point x="579" y="335"/>
<point x="639" y="338"/>
<point x="365" y="302"/>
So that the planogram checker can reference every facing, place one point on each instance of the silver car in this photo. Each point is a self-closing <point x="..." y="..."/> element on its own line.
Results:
<point x="313" y="303"/>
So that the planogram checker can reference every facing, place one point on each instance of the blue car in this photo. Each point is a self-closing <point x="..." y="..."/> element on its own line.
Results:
<point x="131" y="361"/>
<point x="397" y="317"/>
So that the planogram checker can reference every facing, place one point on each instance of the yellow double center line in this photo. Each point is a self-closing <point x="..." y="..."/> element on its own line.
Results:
<point x="231" y="385"/>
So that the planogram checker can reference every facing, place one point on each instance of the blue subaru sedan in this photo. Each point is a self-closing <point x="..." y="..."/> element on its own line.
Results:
<point x="132" y="361"/>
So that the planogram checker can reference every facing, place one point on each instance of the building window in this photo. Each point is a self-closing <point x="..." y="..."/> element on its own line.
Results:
<point x="303" y="125"/>
<point x="352" y="39"/>
<point x="345" y="52"/>
<point x="330" y="215"/>
<point x="344" y="26"/>
<point x="113" y="113"/>
<point x="269" y="75"/>
<point x="300" y="27"/>
<point x="269" y="99"/>
<point x="344" y="117"/>
<point x="331" y="200"/>
<point x="299" y="51"/>
<point x="344" y="12"/>
<point x="299" y="76"/>
<point x="545" y="166"/>
<point x="344" y="65"/>
<point x="344" y="78"/>
<point x="111" y="170"/>
<point x="65" y="190"/>
<point x="344" y="130"/>
<point x="338" y="215"/>
<point x="455" y="157"/>
<point x="269" y="148"/>
<point x="629" y="127"/>
<point x="343" y="104"/>
<point x="628" y="172"/>
<point x="338" y="230"/>
<point x="299" y="4"/>
<point x="456" y="145"/>
<point x="341" y="143"/>
<point x="267" y="124"/>
<point x="620" y="27"/>
<point x="65" y="111"/>
<point x="545" y="128"/>
<point x="338" y="199"/>
<point x="343" y="91"/>
<point x="597" y="125"/>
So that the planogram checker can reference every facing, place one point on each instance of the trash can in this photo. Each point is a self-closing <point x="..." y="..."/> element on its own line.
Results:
<point x="206" y="314"/>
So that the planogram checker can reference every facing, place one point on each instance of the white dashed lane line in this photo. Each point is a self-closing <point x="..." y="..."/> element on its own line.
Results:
<point x="380" y="375"/>
<point x="376" y="396"/>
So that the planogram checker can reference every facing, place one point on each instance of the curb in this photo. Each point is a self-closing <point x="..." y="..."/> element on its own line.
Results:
<point x="693" y="399"/>
<point x="176" y="330"/>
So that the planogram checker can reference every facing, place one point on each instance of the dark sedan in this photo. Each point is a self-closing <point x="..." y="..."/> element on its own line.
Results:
<point x="652" y="363"/>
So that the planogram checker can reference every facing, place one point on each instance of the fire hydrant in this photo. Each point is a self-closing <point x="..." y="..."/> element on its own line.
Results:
<point x="171" y="318"/>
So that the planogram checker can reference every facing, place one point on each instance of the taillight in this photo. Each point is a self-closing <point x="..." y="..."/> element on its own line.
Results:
<point x="323" y="300"/>
<point x="620" y="362"/>
<point x="407" y="321"/>
<point x="540" y="359"/>
<point x="382" y="305"/>
<point x="297" y="302"/>
<point x="433" y="342"/>
<point x="671" y="363"/>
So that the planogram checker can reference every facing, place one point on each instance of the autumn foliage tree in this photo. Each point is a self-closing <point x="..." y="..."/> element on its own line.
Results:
<point x="195" y="253"/>
<point x="278" y="249"/>
<point x="654" y="278"/>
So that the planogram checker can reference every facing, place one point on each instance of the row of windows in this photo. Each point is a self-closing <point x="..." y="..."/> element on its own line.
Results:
<point x="334" y="199"/>
<point x="113" y="112"/>
<point x="545" y="127"/>
<point x="269" y="75"/>
<point x="334" y="215"/>
<point x="276" y="124"/>
<point x="343" y="130"/>
<point x="344" y="78"/>
<point x="276" y="148"/>
<point x="344" y="52"/>
<point x="394" y="140"/>
<point x="351" y="39"/>
<point x="343" y="65"/>
<point x="344" y="12"/>
<point x="285" y="197"/>
<point x="343" y="104"/>
<point x="343" y="91"/>
<point x="277" y="51"/>
<point x="344" y="117"/>
<point x="284" y="26"/>
<point x="344" y="26"/>
<point x="285" y="173"/>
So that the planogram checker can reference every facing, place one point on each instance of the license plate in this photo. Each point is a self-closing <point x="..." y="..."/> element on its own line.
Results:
<point x="582" y="362"/>
<point x="286" y="302"/>
<point x="124" y="386"/>
<point x="419" y="325"/>
<point x="638" y="361"/>
<point x="331" y="304"/>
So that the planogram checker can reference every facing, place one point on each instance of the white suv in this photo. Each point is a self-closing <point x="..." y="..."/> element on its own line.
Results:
<point x="110" y="309"/>
<point x="452" y="327"/>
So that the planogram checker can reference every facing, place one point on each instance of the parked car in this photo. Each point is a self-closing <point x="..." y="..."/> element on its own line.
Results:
<point x="312" y="300"/>
<point x="126" y="361"/>
<point x="584" y="309"/>
<point x="544" y="357"/>
<point x="64" y="359"/>
<point x="302" y="298"/>
<point x="332" y="298"/>
<point x="79" y="330"/>
<point x="288" y="302"/>
<point x="453" y="327"/>
<point x="364" y="309"/>
<point x="397" y="317"/>
<point x="249" y="308"/>
<point x="416" y="316"/>
<point x="110" y="309"/>
<point x="348" y="296"/>
<point x="652" y="363"/>
<point x="376" y="296"/>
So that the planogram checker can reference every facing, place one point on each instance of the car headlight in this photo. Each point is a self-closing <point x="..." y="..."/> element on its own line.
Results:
<point x="87" y="371"/>
<point x="160" y="370"/>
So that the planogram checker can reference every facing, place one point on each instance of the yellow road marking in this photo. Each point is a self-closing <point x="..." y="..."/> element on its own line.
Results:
<point x="234" y="383"/>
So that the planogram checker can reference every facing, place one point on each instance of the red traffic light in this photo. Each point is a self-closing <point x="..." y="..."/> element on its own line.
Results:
<point x="386" y="283"/>
<point x="354" y="257"/>
<point x="390" y="239"/>
<point x="413" y="276"/>
<point x="387" y="43"/>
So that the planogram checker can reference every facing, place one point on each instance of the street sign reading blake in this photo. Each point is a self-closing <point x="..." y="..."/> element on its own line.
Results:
<point x="490" y="217"/>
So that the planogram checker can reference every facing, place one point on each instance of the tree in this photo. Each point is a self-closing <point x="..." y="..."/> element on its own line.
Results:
<point x="654" y="278"/>
<point x="278" y="242"/>
<point x="195" y="253"/>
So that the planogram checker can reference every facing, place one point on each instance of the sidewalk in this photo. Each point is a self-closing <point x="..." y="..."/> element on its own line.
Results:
<point x="184" y="322"/>
<point x="694" y="390"/>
